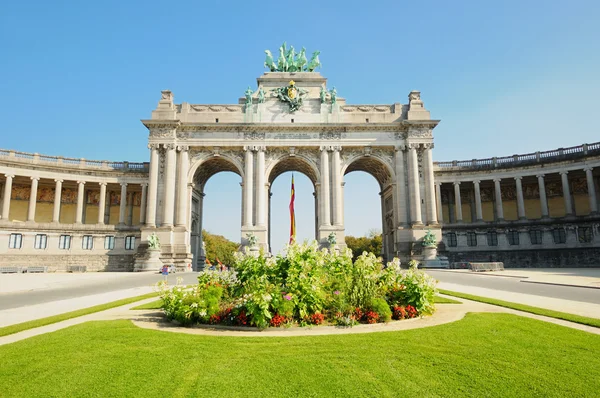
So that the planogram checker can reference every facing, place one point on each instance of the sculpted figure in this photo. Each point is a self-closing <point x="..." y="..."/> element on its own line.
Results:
<point x="153" y="242"/>
<point x="333" y="94"/>
<point x="291" y="63"/>
<point x="261" y="95"/>
<point x="314" y="62"/>
<point x="269" y="63"/>
<point x="281" y="61"/>
<point x="248" y="93"/>
<point x="301" y="61"/>
<point x="332" y="239"/>
<point x="323" y="94"/>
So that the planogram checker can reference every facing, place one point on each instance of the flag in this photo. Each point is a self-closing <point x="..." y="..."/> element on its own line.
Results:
<point x="221" y="266"/>
<point x="207" y="262"/>
<point x="292" y="214"/>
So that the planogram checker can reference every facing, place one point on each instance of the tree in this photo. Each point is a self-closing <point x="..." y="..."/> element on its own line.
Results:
<point x="370" y="244"/>
<point x="218" y="246"/>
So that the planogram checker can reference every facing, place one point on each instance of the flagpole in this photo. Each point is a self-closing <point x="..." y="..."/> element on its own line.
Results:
<point x="292" y="213"/>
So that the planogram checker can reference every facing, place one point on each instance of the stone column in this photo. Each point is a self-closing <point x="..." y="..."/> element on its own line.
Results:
<point x="79" y="210"/>
<point x="143" y="203"/>
<point x="413" y="185"/>
<point x="520" y="200"/>
<point x="457" y="200"/>
<point x="261" y="204"/>
<point x="325" y="204"/>
<point x="57" y="197"/>
<point x="591" y="190"/>
<point x="248" y="187"/>
<point x="543" y="199"/>
<point x="32" y="199"/>
<point x="170" y="176"/>
<point x="401" y="187"/>
<point x="438" y="198"/>
<point x="478" y="208"/>
<point x="430" y="202"/>
<point x="152" y="186"/>
<point x="498" y="194"/>
<point x="566" y="193"/>
<point x="337" y="187"/>
<point x="183" y="198"/>
<point x="102" y="203"/>
<point x="7" y="196"/>
<point x="123" y="203"/>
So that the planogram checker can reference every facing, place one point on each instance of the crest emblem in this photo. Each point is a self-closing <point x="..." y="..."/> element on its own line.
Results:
<point x="290" y="94"/>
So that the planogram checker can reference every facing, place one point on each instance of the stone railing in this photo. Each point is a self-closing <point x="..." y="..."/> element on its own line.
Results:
<point x="575" y="152"/>
<point x="369" y="108"/>
<point x="35" y="158"/>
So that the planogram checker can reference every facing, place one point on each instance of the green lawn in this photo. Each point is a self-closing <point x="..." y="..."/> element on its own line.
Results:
<point x="444" y="300"/>
<point x="491" y="355"/>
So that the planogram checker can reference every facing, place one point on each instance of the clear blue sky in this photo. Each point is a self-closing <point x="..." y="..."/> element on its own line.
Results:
<point x="504" y="77"/>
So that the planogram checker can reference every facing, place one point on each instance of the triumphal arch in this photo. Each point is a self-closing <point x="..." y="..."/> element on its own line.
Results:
<point x="291" y="121"/>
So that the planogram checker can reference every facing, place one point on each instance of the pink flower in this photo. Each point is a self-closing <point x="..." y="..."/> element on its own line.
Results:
<point x="337" y="292"/>
<point x="287" y="297"/>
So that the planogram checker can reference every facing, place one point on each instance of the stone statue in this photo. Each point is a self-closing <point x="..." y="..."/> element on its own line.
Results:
<point x="301" y="61"/>
<point x="429" y="239"/>
<point x="153" y="243"/>
<point x="290" y="58"/>
<point x="248" y="93"/>
<point x="282" y="62"/>
<point x="314" y="62"/>
<point x="332" y="239"/>
<point x="269" y="62"/>
<point x="323" y="94"/>
<point x="261" y="95"/>
<point x="333" y="94"/>
<point x="251" y="239"/>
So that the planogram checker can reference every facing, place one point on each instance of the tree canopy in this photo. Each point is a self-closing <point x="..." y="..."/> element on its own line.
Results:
<point x="218" y="246"/>
<point x="371" y="243"/>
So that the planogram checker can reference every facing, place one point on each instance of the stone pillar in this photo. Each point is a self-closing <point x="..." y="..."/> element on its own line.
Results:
<point x="337" y="187"/>
<point x="498" y="195"/>
<point x="248" y="187"/>
<point x="430" y="202"/>
<point x="478" y="208"/>
<point x="169" y="194"/>
<point x="413" y="185"/>
<point x="520" y="200"/>
<point x="7" y="196"/>
<point x="438" y="198"/>
<point x="152" y="186"/>
<point x="543" y="199"/>
<point x="57" y="197"/>
<point x="183" y="198"/>
<point x="401" y="187"/>
<point x="32" y="199"/>
<point x="591" y="190"/>
<point x="143" y="203"/>
<point x="79" y="210"/>
<point x="325" y="204"/>
<point x="123" y="203"/>
<point x="566" y="193"/>
<point x="457" y="200"/>
<point x="261" y="203"/>
<point x="102" y="203"/>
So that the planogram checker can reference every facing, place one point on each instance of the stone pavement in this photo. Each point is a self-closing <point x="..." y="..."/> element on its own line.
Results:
<point x="13" y="283"/>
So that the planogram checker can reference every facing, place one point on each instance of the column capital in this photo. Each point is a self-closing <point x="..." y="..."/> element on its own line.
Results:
<point x="476" y="182"/>
<point x="400" y="148"/>
<point x="35" y="178"/>
<point x="103" y="184"/>
<point x="413" y="145"/>
<point x="540" y="176"/>
<point x="325" y="148"/>
<point x="9" y="175"/>
<point x="497" y="180"/>
<point x="169" y="147"/>
<point x="563" y="173"/>
<point x="81" y="182"/>
<point x="144" y="184"/>
<point x="456" y="183"/>
<point x="428" y="145"/>
<point x="183" y="148"/>
<point x="438" y="183"/>
<point x="588" y="168"/>
<point x="192" y="185"/>
<point x="58" y="180"/>
<point x="518" y="178"/>
<point x="336" y="148"/>
<point x="154" y="147"/>
<point x="123" y="184"/>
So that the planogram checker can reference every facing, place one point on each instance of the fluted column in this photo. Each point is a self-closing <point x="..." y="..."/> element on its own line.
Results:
<point x="7" y="196"/>
<point x="248" y="186"/>
<point x="413" y="184"/>
<point x="566" y="193"/>
<point x="430" y="203"/>
<point x="591" y="190"/>
<point x="337" y="187"/>
<point x="183" y="198"/>
<point x="102" y="203"/>
<point x="57" y="198"/>
<point x="79" y="209"/>
<point x="478" y="208"/>
<point x="143" y="203"/>
<point x="438" y="198"/>
<point x="543" y="198"/>
<point x="325" y="204"/>
<point x="169" y="194"/>
<point x="401" y="200"/>
<point x="32" y="199"/>
<point x="123" y="203"/>
<point x="152" y="186"/>
<point x="458" y="202"/>
<point x="261" y="204"/>
<point x="498" y="194"/>
<point x="520" y="200"/>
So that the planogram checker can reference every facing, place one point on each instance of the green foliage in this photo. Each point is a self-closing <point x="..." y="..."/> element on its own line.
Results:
<point x="218" y="246"/>
<point x="189" y="305"/>
<point x="382" y="308"/>
<point x="370" y="244"/>
<point x="413" y="287"/>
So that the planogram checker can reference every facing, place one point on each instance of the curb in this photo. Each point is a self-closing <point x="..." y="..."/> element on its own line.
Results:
<point x="479" y="273"/>
<point x="562" y="284"/>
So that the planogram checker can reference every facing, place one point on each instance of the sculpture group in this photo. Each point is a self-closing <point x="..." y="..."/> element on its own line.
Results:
<point x="288" y="61"/>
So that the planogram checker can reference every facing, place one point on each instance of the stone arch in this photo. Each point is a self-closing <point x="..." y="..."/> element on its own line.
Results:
<point x="371" y="164"/>
<point x="208" y="165"/>
<point x="300" y="163"/>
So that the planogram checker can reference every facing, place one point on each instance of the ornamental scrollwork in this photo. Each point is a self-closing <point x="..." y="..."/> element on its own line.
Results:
<point x="420" y="132"/>
<point x="254" y="135"/>
<point x="330" y="135"/>
<point x="162" y="132"/>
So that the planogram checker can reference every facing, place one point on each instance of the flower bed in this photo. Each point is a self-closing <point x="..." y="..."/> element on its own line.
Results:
<point x="306" y="286"/>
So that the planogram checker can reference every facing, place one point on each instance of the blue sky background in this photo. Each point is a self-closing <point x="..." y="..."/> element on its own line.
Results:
<point x="504" y="77"/>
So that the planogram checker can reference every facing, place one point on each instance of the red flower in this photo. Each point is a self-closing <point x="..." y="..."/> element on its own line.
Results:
<point x="372" y="317"/>
<point x="277" y="320"/>
<point x="214" y="319"/>
<point x="317" y="319"/>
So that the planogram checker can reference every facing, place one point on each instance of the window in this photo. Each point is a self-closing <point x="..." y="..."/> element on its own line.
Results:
<point x="64" y="242"/>
<point x="492" y="238"/>
<point x="536" y="236"/>
<point x="559" y="235"/>
<point x="471" y="239"/>
<point x="513" y="237"/>
<point x="585" y="234"/>
<point x="129" y="242"/>
<point x="109" y="242"/>
<point x="40" y="241"/>
<point x="87" y="242"/>
<point x="15" y="240"/>
<point x="451" y="238"/>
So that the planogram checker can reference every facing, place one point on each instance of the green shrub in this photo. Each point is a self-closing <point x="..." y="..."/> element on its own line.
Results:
<point x="381" y="307"/>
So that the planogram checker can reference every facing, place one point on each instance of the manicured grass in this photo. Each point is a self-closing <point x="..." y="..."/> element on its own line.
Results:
<point x="527" y="308"/>
<point x="153" y="305"/>
<point x="444" y="300"/>
<point x="19" y="327"/>
<point x="491" y="355"/>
